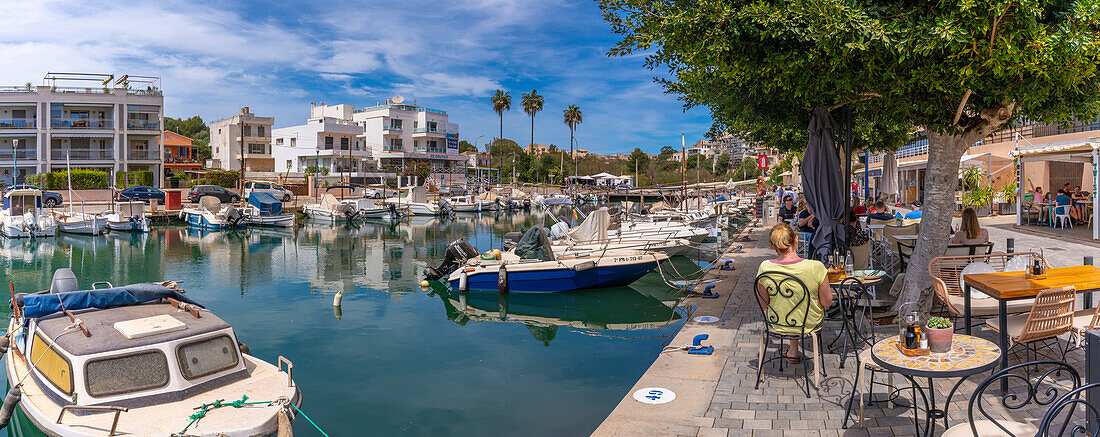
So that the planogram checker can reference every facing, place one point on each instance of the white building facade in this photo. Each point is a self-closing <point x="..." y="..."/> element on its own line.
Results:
<point x="329" y="143"/>
<point x="108" y="126"/>
<point x="243" y="140"/>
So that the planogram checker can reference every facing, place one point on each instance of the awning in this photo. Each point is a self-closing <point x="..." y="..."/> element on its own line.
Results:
<point x="974" y="157"/>
<point x="83" y="135"/>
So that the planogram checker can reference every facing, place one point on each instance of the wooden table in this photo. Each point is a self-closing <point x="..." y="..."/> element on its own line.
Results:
<point x="1008" y="286"/>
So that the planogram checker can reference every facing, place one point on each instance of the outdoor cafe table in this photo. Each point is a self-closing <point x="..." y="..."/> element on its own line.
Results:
<point x="968" y="356"/>
<point x="1006" y="286"/>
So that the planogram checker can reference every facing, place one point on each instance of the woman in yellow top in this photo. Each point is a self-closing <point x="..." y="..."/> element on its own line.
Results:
<point x="784" y="241"/>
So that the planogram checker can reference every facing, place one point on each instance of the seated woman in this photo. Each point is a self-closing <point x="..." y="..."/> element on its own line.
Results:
<point x="970" y="232"/>
<point x="858" y="243"/>
<point x="1064" y="204"/>
<point x="812" y="273"/>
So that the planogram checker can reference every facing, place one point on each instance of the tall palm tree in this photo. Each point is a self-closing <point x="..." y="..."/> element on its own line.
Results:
<point x="502" y="101"/>
<point x="532" y="104"/>
<point x="572" y="117"/>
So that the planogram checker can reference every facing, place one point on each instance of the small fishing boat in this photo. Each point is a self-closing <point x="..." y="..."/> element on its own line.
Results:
<point x="534" y="267"/>
<point x="140" y="359"/>
<point x="79" y="223"/>
<point x="211" y="214"/>
<point x="553" y="200"/>
<point x="263" y="209"/>
<point x="369" y="208"/>
<point x="128" y="217"/>
<point x="331" y="210"/>
<point x="23" y="216"/>
<point x="465" y="203"/>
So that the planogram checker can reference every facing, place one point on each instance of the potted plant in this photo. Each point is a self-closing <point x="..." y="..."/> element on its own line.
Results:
<point x="1008" y="198"/>
<point x="939" y="330"/>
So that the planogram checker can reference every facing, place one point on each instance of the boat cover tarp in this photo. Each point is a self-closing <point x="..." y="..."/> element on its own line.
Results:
<point x="593" y="228"/>
<point x="267" y="203"/>
<point x="534" y="245"/>
<point x="38" y="305"/>
<point x="210" y="203"/>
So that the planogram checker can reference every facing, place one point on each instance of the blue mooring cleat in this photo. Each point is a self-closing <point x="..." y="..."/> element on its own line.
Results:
<point x="697" y="347"/>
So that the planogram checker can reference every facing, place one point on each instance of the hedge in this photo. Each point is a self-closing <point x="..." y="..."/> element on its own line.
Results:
<point x="221" y="178"/>
<point x="82" y="179"/>
<point x="125" y="179"/>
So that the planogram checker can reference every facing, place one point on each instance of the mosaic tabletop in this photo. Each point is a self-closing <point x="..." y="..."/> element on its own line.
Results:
<point x="968" y="355"/>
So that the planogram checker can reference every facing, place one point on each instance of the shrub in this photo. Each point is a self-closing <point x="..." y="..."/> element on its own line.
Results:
<point x="82" y="179"/>
<point x="940" y="323"/>
<point x="125" y="179"/>
<point x="221" y="178"/>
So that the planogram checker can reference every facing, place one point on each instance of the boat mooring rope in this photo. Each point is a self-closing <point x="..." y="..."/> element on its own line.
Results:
<point x="241" y="403"/>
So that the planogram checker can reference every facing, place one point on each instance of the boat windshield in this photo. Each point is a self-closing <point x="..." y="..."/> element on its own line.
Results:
<point x="127" y="373"/>
<point x="207" y="356"/>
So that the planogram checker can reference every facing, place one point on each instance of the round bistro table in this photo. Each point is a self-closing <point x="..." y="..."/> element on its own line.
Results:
<point x="968" y="356"/>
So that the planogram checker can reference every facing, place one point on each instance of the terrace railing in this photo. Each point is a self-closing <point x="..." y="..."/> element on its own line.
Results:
<point x="81" y="123"/>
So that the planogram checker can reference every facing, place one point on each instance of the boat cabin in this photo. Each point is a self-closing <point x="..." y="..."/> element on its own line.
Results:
<point x="136" y="355"/>
<point x="22" y="201"/>
<point x="130" y="209"/>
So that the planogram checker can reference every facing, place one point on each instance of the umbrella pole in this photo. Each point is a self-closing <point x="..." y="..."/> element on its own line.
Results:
<point x="848" y="149"/>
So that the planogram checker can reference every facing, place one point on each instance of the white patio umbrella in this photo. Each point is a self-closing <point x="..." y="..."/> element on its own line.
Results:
<point x="889" y="185"/>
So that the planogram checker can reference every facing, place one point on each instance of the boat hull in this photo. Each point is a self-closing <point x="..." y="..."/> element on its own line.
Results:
<point x="90" y="226"/>
<point x="530" y="279"/>
<point x="204" y="221"/>
<point x="279" y="221"/>
<point x="128" y="226"/>
<point x="15" y="230"/>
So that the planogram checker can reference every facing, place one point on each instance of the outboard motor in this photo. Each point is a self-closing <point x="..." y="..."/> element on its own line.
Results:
<point x="64" y="281"/>
<point x="393" y="211"/>
<point x="233" y="216"/>
<point x="445" y="207"/>
<point x="30" y="222"/>
<point x="510" y="240"/>
<point x="457" y="253"/>
<point x="349" y="211"/>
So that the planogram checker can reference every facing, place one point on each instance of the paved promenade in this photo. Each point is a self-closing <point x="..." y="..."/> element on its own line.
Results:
<point x="715" y="395"/>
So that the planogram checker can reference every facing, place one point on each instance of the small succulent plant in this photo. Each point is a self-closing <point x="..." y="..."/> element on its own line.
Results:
<point x="940" y="323"/>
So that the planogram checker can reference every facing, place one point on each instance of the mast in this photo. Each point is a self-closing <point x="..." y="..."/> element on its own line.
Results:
<point x="683" y="170"/>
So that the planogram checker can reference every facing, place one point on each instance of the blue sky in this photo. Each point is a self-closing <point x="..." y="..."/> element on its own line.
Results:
<point x="276" y="57"/>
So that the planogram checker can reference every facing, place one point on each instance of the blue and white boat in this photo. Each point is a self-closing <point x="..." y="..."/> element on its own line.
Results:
<point x="211" y="214"/>
<point x="535" y="267"/>
<point x="23" y="215"/>
<point x="265" y="210"/>
<point x="128" y="217"/>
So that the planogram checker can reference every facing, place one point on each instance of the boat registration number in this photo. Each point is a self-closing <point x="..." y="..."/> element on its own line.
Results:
<point x="628" y="258"/>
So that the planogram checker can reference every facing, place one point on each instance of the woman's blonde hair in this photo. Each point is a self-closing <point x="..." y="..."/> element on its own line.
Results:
<point x="802" y="205"/>
<point x="970" y="223"/>
<point x="782" y="237"/>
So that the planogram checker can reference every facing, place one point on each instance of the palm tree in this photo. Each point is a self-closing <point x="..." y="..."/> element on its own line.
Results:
<point x="502" y="101"/>
<point x="532" y="104"/>
<point x="572" y="117"/>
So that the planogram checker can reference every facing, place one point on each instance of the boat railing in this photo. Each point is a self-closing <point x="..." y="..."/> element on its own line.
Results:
<point x="118" y="411"/>
<point x="289" y="370"/>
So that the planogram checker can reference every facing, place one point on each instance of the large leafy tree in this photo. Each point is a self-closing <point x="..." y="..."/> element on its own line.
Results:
<point x="638" y="160"/>
<point x="960" y="69"/>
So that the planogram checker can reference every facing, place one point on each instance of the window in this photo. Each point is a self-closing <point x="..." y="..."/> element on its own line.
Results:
<point x="344" y="143"/>
<point x="247" y="129"/>
<point x="328" y="143"/>
<point x="52" y="365"/>
<point x="278" y="141"/>
<point x="260" y="131"/>
<point x="257" y="148"/>
<point x="293" y="142"/>
<point x="288" y="165"/>
<point x="127" y="373"/>
<point x="18" y="113"/>
<point x="396" y="123"/>
<point x="205" y="357"/>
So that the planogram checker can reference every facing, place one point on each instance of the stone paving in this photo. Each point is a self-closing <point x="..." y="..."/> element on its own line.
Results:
<point x="716" y="394"/>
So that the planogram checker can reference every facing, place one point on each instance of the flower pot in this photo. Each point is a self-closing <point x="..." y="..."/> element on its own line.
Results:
<point x="939" y="340"/>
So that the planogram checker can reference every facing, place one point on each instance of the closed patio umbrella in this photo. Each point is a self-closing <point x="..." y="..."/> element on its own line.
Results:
<point x="824" y="185"/>
<point x="889" y="185"/>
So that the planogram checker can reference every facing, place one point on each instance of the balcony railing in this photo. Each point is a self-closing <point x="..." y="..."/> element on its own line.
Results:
<point x="429" y="130"/>
<point x="81" y="123"/>
<point x="393" y="148"/>
<point x="430" y="149"/>
<point x="21" y="153"/>
<point x="143" y="154"/>
<point x="17" y="123"/>
<point x="17" y="89"/>
<point x="83" y="154"/>
<point x="143" y="124"/>
<point x="180" y="160"/>
<point x="391" y="127"/>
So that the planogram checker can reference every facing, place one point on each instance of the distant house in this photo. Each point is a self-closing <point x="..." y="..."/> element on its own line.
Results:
<point x="536" y="149"/>
<point x="179" y="153"/>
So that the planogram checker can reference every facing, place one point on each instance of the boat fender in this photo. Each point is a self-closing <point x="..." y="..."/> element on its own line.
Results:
<point x="502" y="280"/>
<point x="285" y="429"/>
<point x="6" y="411"/>
<point x="5" y="343"/>
<point x="697" y="347"/>
<point x="463" y="281"/>
<point x="244" y="348"/>
<point x="338" y="298"/>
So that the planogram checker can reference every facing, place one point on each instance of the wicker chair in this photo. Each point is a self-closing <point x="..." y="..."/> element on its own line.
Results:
<point x="1085" y="320"/>
<point x="945" y="282"/>
<point x="1051" y="315"/>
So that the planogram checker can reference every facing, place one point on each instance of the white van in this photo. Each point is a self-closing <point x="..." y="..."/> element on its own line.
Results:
<point x="271" y="188"/>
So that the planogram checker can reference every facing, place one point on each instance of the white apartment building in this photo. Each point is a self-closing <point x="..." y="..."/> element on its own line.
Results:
<point x="400" y="135"/>
<point x="242" y="139"/>
<point x="327" y="142"/>
<point x="93" y="120"/>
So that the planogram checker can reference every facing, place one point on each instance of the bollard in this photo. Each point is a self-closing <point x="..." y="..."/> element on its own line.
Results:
<point x="1011" y="245"/>
<point x="1092" y="373"/>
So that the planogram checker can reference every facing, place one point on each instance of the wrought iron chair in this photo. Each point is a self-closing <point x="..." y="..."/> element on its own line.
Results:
<point x="786" y="324"/>
<point x="1065" y="417"/>
<point x="1041" y="383"/>
<point x="857" y="304"/>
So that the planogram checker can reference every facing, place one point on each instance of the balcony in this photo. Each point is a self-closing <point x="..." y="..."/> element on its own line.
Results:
<point x="143" y="155"/>
<point x="393" y="149"/>
<point x="18" y="123"/>
<point x="21" y="153"/>
<point x="429" y="130"/>
<point x="81" y="123"/>
<point x="430" y="149"/>
<point x="180" y="160"/>
<point x="82" y="154"/>
<point x="391" y="129"/>
<point x="143" y="125"/>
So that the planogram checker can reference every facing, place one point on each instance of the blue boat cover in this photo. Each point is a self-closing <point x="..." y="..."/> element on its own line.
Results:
<point x="719" y="199"/>
<point x="39" y="305"/>
<point x="267" y="203"/>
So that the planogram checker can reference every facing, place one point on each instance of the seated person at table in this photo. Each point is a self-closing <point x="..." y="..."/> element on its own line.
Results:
<point x="970" y="232"/>
<point x="1079" y="197"/>
<point x="857" y="207"/>
<point x="879" y="212"/>
<point x="786" y="212"/>
<point x="806" y="220"/>
<point x="1065" y="205"/>
<point x="812" y="273"/>
<point x="916" y="212"/>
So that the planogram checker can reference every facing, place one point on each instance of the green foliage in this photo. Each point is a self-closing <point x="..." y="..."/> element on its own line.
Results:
<point x="313" y="169"/>
<point x="124" y="179"/>
<point x="749" y="169"/>
<point x="1008" y="192"/>
<point x="221" y="178"/>
<point x="423" y="171"/>
<point x="82" y="179"/>
<point x="638" y="159"/>
<point x="465" y="146"/>
<point x="722" y="164"/>
<point x="666" y="153"/>
<point x="195" y="129"/>
<point x="940" y="323"/>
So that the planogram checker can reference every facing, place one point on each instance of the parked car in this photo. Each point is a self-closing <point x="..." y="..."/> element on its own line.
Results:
<point x="50" y="199"/>
<point x="273" y="189"/>
<point x="224" y="195"/>
<point x="141" y="193"/>
<point x="452" y="190"/>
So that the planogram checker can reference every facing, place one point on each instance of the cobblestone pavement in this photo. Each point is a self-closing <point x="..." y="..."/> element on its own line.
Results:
<point x="716" y="394"/>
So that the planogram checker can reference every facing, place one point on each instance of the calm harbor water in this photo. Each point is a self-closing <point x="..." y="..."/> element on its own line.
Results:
<point x="395" y="359"/>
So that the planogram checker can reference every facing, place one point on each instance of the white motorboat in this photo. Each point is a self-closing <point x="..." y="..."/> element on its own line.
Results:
<point x="79" y="222"/>
<point x="595" y="231"/>
<point x="417" y="201"/>
<point x="464" y="203"/>
<point x="368" y="208"/>
<point x="263" y="209"/>
<point x="23" y="215"/>
<point x="211" y="214"/>
<point x="331" y="210"/>
<point x="128" y="217"/>
<point x="140" y="359"/>
<point x="553" y="200"/>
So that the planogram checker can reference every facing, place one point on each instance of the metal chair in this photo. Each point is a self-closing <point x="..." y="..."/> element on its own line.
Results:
<point x="1040" y="383"/>
<point x="1064" y="413"/>
<point x="786" y="324"/>
<point x="857" y="306"/>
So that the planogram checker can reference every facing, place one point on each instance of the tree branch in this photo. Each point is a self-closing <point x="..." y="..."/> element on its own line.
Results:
<point x="993" y="32"/>
<point x="962" y="105"/>
<point x="864" y="96"/>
